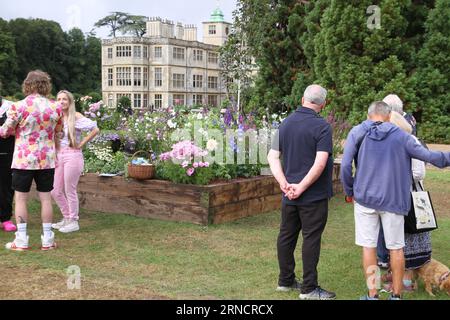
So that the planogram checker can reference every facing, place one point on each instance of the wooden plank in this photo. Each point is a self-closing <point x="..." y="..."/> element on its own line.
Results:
<point x="246" y="208"/>
<point x="144" y="208"/>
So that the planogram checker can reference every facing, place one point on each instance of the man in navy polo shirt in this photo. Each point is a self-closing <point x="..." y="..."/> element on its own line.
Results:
<point x="304" y="142"/>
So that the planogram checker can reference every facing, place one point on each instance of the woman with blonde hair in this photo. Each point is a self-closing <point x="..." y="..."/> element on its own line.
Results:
<point x="70" y="162"/>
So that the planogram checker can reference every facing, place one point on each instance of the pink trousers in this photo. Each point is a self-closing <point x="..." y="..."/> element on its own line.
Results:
<point x="69" y="167"/>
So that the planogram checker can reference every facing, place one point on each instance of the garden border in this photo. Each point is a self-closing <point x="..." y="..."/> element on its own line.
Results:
<point x="204" y="205"/>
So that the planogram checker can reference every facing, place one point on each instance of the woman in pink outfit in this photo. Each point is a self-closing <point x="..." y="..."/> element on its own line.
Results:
<point x="70" y="162"/>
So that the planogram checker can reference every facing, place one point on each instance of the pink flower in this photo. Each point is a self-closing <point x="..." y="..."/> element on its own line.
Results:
<point x="206" y="164"/>
<point x="196" y="165"/>
<point x="190" y="172"/>
<point x="185" y="164"/>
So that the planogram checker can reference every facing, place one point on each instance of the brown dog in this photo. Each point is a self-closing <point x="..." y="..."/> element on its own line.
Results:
<point x="435" y="274"/>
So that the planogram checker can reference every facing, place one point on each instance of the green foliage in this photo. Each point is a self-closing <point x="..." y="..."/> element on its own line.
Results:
<point x="124" y="106"/>
<point x="432" y="77"/>
<point x="115" y="21"/>
<point x="72" y="59"/>
<point x="297" y="43"/>
<point x="96" y="97"/>
<point x="177" y="174"/>
<point x="8" y="59"/>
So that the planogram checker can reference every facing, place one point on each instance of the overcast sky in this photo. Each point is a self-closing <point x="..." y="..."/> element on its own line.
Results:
<point x="84" y="13"/>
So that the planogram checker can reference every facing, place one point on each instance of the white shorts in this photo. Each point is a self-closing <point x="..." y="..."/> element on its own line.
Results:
<point x="367" y="225"/>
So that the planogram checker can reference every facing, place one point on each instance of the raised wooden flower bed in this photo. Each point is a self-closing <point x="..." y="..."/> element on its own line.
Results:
<point x="204" y="205"/>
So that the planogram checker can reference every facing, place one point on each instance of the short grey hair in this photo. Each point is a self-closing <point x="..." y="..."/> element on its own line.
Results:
<point x="316" y="94"/>
<point x="379" y="108"/>
<point x="394" y="102"/>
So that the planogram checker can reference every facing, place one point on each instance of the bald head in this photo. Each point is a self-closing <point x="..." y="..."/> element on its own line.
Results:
<point x="394" y="102"/>
<point x="315" y="94"/>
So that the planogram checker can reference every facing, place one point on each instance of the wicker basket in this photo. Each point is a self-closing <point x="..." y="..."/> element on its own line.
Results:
<point x="140" y="172"/>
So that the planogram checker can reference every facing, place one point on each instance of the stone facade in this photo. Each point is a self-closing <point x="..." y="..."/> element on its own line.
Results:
<point x="166" y="67"/>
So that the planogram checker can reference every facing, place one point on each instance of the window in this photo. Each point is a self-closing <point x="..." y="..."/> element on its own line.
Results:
<point x="145" y="101"/>
<point x="178" y="53"/>
<point x="123" y="51"/>
<point x="158" y="52"/>
<point x="110" y="77"/>
<point x="213" y="82"/>
<point x="212" y="101"/>
<point x="178" y="100"/>
<point x="137" y="77"/>
<point x="145" y="52"/>
<point x="110" y="100"/>
<point x="212" y="29"/>
<point x="145" y="77"/>
<point x="137" y="52"/>
<point x="178" y="80"/>
<point x="227" y="31"/>
<point x="123" y="76"/>
<point x="120" y="96"/>
<point x="137" y="101"/>
<point x="198" y="81"/>
<point x="158" y="101"/>
<point x="198" y="55"/>
<point x="198" y="100"/>
<point x="110" y="53"/>
<point x="158" y="77"/>
<point x="213" y="57"/>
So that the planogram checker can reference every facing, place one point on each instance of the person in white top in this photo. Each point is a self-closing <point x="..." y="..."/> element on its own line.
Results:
<point x="70" y="162"/>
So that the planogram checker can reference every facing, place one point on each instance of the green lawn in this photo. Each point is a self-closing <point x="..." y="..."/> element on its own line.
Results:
<point x="123" y="257"/>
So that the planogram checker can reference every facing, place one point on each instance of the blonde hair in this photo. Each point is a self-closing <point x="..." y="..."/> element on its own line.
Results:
<point x="37" y="82"/>
<point x="72" y="118"/>
<point x="398" y="120"/>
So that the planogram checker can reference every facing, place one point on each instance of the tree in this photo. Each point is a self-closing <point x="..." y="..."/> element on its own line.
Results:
<point x="8" y="60"/>
<point x="273" y="30"/>
<point x="432" y="77"/>
<point x="236" y="63"/>
<point x="41" y="44"/>
<point x="359" y="64"/>
<point x="135" y="25"/>
<point x="116" y="20"/>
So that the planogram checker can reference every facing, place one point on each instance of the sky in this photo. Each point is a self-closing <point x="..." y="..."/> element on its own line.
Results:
<point x="84" y="13"/>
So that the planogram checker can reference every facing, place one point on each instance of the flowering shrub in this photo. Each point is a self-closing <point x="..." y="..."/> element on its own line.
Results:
<point x="102" y="159"/>
<point x="184" y="164"/>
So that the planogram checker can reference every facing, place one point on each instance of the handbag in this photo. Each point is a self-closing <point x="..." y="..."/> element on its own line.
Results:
<point x="421" y="218"/>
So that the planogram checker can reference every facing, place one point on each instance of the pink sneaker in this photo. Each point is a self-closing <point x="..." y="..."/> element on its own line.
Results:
<point x="8" y="226"/>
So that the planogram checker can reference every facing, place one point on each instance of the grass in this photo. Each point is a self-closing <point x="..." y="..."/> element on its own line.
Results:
<point x="124" y="257"/>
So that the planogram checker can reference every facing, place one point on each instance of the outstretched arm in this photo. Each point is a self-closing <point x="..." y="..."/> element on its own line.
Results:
<point x="417" y="151"/>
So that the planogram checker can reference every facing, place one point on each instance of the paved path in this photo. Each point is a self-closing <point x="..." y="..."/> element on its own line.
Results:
<point x="439" y="147"/>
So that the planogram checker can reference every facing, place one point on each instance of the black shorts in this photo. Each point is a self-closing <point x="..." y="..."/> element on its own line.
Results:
<point x="23" y="179"/>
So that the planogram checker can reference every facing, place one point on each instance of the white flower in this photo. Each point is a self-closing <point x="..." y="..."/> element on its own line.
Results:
<point x="212" y="145"/>
<point x="171" y="124"/>
<point x="199" y="116"/>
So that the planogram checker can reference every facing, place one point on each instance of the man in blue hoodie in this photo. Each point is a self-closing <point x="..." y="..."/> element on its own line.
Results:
<point x="381" y="187"/>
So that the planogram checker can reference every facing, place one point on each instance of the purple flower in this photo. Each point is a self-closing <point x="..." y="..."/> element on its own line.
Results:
<point x="190" y="172"/>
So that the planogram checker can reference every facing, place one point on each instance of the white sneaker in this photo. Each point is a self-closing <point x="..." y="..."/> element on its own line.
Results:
<point x="60" y="224"/>
<point x="72" y="226"/>
<point x="19" y="243"/>
<point x="48" y="243"/>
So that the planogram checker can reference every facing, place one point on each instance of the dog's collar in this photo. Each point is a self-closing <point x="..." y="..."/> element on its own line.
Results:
<point x="444" y="276"/>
